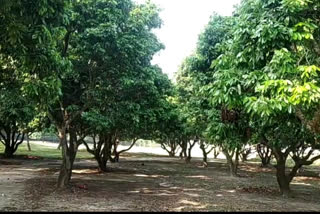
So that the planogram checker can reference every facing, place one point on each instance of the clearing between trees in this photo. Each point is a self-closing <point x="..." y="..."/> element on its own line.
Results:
<point x="142" y="182"/>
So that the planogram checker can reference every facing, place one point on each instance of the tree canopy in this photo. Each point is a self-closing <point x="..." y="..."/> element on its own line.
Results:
<point x="258" y="72"/>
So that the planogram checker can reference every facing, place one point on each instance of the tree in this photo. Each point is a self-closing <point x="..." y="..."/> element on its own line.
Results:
<point x="212" y="119"/>
<point x="245" y="152"/>
<point x="170" y="128"/>
<point x="16" y="112"/>
<point x="268" y="71"/>
<point x="216" y="152"/>
<point x="191" y="108"/>
<point x="29" y="42"/>
<point x="131" y="93"/>
<point x="117" y="153"/>
<point x="173" y="146"/>
<point x="205" y="151"/>
<point x="91" y="57"/>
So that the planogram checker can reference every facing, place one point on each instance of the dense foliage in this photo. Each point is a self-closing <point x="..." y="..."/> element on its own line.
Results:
<point x="87" y="65"/>
<point x="257" y="72"/>
<point x="84" y="68"/>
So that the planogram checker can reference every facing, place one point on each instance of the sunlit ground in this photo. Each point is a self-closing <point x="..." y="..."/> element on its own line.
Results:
<point x="49" y="150"/>
<point x="146" y="182"/>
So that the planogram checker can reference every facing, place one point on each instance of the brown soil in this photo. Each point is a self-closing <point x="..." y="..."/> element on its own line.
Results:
<point x="151" y="184"/>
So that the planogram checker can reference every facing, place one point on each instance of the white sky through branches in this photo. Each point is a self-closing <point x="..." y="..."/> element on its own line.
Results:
<point x="183" y="20"/>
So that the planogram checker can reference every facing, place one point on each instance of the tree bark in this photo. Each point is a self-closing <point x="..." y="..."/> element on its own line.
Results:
<point x="233" y="165"/>
<point x="300" y="157"/>
<point x="117" y="154"/>
<point x="205" y="159"/>
<point x="244" y="154"/>
<point x="183" y="145"/>
<point x="8" y="151"/>
<point x="172" y="147"/>
<point x="68" y="156"/>
<point x="65" y="170"/>
<point x="216" y="152"/>
<point x="282" y="178"/>
<point x="205" y="153"/>
<point x="101" y="151"/>
<point x="102" y="163"/>
<point x="188" y="157"/>
<point x="105" y="154"/>
<point x="11" y="141"/>
<point x="265" y="154"/>
<point x="28" y="143"/>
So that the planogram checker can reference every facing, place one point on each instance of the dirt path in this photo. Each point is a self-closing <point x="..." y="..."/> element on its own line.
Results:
<point x="13" y="175"/>
<point x="152" y="184"/>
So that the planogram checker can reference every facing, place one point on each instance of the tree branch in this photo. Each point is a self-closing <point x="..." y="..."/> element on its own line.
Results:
<point x="211" y="150"/>
<point x="307" y="163"/>
<point x="66" y="43"/>
<point x="88" y="148"/>
<point x="13" y="136"/>
<point x="17" y="138"/>
<point x="133" y="143"/>
<point x="18" y="144"/>
<point x="164" y="147"/>
<point x="3" y="137"/>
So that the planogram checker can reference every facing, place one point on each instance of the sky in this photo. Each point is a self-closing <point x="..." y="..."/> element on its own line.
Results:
<point x="183" y="21"/>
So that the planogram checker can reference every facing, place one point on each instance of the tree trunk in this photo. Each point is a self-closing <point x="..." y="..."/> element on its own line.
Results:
<point x="172" y="154"/>
<point x="172" y="144"/>
<point x="205" y="159"/>
<point x="28" y="143"/>
<point x="282" y="178"/>
<point x="173" y="147"/>
<point x="233" y="165"/>
<point x="188" y="158"/>
<point x="105" y="154"/>
<point x="65" y="170"/>
<point x="118" y="153"/>
<point x="11" y="141"/>
<point x="117" y="157"/>
<point x="265" y="163"/>
<point x="102" y="163"/>
<point x="8" y="151"/>
<point x="204" y="154"/>
<point x="245" y="154"/>
<point x="183" y="153"/>
<point x="68" y="157"/>
<point x="102" y="151"/>
<point x="265" y="153"/>
<point x="216" y="152"/>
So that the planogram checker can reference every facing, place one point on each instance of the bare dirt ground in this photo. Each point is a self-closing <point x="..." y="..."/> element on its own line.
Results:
<point x="152" y="183"/>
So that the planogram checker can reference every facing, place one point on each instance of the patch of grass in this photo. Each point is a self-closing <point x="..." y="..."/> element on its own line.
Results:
<point x="45" y="152"/>
<point x="141" y="155"/>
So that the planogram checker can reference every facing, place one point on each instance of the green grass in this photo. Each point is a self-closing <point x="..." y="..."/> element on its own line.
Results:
<point x="53" y="153"/>
<point x="45" y="152"/>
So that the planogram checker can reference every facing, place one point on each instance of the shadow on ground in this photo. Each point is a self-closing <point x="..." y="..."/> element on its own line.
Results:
<point x="151" y="183"/>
